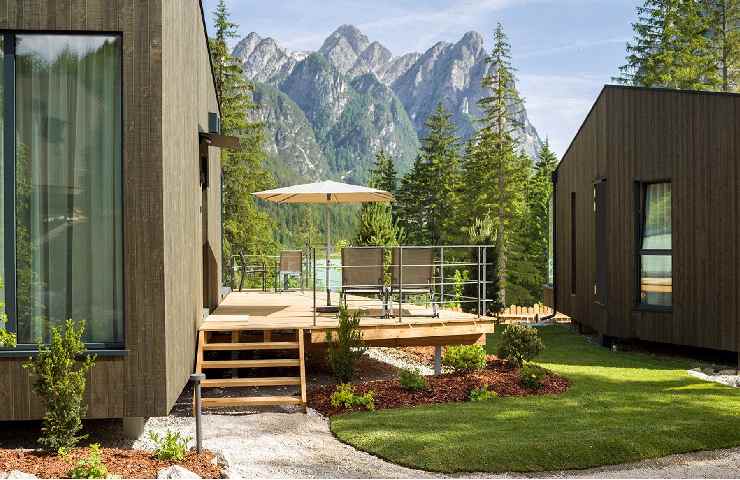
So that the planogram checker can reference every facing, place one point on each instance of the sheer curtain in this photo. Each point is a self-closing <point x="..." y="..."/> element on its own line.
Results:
<point x="68" y="185"/>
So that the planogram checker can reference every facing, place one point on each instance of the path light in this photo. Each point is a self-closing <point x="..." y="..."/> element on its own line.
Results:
<point x="196" y="378"/>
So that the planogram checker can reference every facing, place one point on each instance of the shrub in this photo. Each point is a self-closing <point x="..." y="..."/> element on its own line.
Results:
<point x="7" y="339"/>
<point x="90" y="467"/>
<point x="344" y="397"/>
<point x="172" y="446"/>
<point x="461" y="358"/>
<point x="412" y="380"/>
<point x="519" y="344"/>
<point x="531" y="376"/>
<point x="482" y="394"/>
<point x="60" y="371"/>
<point x="345" y="346"/>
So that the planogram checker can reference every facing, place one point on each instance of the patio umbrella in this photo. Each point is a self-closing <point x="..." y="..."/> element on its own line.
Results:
<point x="326" y="192"/>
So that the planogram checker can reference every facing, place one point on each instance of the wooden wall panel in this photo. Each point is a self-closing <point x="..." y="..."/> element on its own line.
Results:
<point x="187" y="100"/>
<point x="645" y="135"/>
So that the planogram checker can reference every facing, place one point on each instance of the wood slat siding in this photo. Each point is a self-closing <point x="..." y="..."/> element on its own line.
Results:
<point x="167" y="97"/>
<point x="691" y="139"/>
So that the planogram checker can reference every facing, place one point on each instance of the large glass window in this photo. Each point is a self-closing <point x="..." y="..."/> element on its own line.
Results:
<point x="656" y="272"/>
<point x="68" y="212"/>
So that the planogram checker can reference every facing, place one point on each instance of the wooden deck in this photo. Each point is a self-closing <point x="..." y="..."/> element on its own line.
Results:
<point x="256" y="310"/>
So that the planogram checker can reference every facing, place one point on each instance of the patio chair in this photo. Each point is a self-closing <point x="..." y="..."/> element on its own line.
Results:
<point x="251" y="269"/>
<point x="413" y="274"/>
<point x="362" y="273"/>
<point x="291" y="265"/>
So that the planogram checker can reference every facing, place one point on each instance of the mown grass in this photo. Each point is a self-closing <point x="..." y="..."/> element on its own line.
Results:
<point x="621" y="407"/>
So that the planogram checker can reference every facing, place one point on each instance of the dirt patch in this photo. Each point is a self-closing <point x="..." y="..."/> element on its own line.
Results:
<point x="122" y="462"/>
<point x="452" y="387"/>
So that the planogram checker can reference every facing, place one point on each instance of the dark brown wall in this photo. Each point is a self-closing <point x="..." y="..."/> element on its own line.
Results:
<point x="161" y="229"/>
<point x="648" y="135"/>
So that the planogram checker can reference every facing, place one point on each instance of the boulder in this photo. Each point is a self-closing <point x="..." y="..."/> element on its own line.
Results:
<point x="728" y="371"/>
<point x="18" y="475"/>
<point x="176" y="471"/>
<point x="708" y="371"/>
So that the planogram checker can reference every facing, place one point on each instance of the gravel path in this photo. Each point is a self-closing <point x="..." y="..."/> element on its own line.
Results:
<point x="279" y="445"/>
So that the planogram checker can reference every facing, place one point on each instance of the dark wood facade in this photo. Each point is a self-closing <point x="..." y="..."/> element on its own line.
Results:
<point x="168" y="92"/>
<point x="633" y="136"/>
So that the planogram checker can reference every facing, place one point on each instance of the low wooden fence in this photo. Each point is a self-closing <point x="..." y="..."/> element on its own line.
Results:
<point x="532" y="314"/>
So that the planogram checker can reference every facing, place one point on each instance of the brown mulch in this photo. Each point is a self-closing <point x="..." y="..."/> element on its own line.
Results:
<point x="451" y="387"/>
<point x="122" y="462"/>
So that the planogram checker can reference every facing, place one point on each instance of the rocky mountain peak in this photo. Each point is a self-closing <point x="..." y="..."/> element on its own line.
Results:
<point x="343" y="47"/>
<point x="472" y="40"/>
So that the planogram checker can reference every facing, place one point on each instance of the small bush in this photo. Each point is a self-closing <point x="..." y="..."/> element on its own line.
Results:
<point x="482" y="394"/>
<point x="346" y="398"/>
<point x="462" y="358"/>
<point x="172" y="446"/>
<point x="519" y="344"/>
<point x="90" y="467"/>
<point x="412" y="380"/>
<point x="345" y="346"/>
<point x="7" y="339"/>
<point x="531" y="376"/>
<point x="60" y="371"/>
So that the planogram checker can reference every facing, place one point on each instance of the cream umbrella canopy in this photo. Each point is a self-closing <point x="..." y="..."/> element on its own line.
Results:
<point x="326" y="192"/>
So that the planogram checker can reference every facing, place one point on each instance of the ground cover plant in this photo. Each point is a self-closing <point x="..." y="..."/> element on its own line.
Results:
<point x="412" y="380"/>
<point x="620" y="407"/>
<point x="462" y="358"/>
<point x="170" y="446"/>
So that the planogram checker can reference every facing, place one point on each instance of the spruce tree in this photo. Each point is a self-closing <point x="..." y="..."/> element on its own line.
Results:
<point x="724" y="32"/>
<point x="495" y="171"/>
<point x="247" y="227"/>
<point x="376" y="225"/>
<point x="671" y="47"/>
<point x="429" y="194"/>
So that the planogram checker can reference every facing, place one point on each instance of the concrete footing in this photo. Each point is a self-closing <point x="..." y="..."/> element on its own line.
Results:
<point x="438" y="359"/>
<point x="133" y="427"/>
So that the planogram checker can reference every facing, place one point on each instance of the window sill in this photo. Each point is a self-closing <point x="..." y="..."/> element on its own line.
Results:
<point x="25" y="353"/>
<point x="652" y="308"/>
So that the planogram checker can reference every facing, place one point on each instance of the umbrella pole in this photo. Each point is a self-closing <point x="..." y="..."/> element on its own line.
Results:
<point x="328" y="249"/>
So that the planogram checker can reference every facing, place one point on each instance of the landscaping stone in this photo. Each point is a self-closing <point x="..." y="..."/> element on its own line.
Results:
<point x="18" y="475"/>
<point x="727" y="372"/>
<point x="176" y="471"/>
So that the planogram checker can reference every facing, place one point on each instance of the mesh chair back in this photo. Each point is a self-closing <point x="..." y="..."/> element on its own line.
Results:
<point x="362" y="267"/>
<point x="291" y="261"/>
<point x="414" y="277"/>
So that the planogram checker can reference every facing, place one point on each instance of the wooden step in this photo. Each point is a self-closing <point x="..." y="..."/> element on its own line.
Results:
<point x="277" y="362"/>
<point x="250" y="382"/>
<point x="250" y="401"/>
<point x="252" y="346"/>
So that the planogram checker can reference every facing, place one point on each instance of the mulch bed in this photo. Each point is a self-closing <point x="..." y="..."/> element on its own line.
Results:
<point x="451" y="387"/>
<point x="122" y="462"/>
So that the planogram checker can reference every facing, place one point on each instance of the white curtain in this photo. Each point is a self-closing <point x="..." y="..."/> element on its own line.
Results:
<point x="68" y="185"/>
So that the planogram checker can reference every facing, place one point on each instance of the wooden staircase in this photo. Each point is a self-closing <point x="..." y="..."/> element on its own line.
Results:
<point x="286" y="352"/>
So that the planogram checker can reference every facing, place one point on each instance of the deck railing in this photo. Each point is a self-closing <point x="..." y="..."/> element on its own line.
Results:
<point x="455" y="276"/>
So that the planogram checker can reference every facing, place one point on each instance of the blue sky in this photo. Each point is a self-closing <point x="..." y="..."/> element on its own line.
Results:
<point x="564" y="50"/>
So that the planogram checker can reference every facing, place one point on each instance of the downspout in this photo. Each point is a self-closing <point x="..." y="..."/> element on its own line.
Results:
<point x="554" y="178"/>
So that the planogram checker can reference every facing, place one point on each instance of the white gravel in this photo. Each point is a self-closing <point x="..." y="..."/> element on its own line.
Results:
<point x="398" y="359"/>
<point x="729" y="380"/>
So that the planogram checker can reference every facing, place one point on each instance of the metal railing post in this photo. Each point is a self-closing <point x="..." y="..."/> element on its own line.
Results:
<point x="313" y="260"/>
<point x="442" y="277"/>
<point x="478" y="282"/>
<point x="196" y="378"/>
<point x="400" y="284"/>
<point x="485" y="281"/>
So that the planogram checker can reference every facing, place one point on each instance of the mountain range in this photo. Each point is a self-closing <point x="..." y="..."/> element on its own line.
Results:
<point x="328" y="112"/>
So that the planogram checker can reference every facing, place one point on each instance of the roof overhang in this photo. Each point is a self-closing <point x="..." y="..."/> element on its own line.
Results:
<point x="220" y="141"/>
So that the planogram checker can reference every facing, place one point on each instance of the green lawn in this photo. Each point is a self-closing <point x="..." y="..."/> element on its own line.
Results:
<point x="621" y="407"/>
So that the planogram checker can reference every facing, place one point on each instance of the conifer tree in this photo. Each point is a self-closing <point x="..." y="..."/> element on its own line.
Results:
<point x="496" y="173"/>
<point x="429" y="194"/>
<point x="247" y="227"/>
<point x="384" y="175"/>
<point x="724" y="30"/>
<point x="376" y="225"/>
<point x="671" y="47"/>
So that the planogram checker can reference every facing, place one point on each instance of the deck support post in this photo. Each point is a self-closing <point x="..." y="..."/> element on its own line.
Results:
<point x="133" y="427"/>
<point x="438" y="359"/>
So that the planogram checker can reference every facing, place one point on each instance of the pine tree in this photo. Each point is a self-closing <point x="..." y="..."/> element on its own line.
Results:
<point x="377" y="225"/>
<point x="247" y="227"/>
<point x="495" y="172"/>
<point x="671" y="47"/>
<point x="429" y="194"/>
<point x="724" y="32"/>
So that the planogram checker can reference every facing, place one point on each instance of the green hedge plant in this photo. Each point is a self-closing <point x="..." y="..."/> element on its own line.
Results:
<point x="464" y="358"/>
<point x="412" y="380"/>
<point x="59" y="371"/>
<point x="345" y="345"/>
<point x="519" y="344"/>
<point x="344" y="397"/>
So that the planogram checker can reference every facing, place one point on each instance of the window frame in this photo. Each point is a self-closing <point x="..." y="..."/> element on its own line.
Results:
<point x="640" y="212"/>
<point x="8" y="98"/>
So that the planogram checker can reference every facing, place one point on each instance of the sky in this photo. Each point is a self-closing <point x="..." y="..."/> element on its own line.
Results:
<point x="564" y="50"/>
